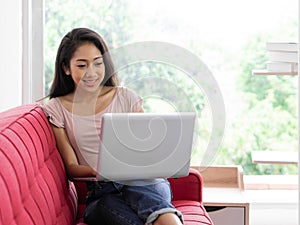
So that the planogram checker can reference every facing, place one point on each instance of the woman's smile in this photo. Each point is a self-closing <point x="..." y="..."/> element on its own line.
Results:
<point x="91" y="82"/>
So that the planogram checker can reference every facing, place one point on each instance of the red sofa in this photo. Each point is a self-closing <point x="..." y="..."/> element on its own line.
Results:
<point x="33" y="184"/>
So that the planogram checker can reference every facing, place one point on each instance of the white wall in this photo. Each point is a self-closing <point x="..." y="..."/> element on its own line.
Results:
<point x="10" y="54"/>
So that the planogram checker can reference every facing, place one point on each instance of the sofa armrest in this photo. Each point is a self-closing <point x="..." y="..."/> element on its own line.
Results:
<point x="188" y="187"/>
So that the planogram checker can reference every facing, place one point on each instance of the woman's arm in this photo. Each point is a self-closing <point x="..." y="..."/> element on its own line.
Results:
<point x="69" y="157"/>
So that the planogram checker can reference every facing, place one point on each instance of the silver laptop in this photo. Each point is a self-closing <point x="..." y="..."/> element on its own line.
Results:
<point x="145" y="145"/>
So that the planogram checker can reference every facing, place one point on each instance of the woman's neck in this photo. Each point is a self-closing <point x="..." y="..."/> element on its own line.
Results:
<point x="89" y="103"/>
<point x="81" y="96"/>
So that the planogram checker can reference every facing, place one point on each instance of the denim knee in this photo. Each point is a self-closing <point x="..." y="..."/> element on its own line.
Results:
<point x="150" y="201"/>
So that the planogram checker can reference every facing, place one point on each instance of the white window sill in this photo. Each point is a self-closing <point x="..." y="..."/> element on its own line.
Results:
<point x="271" y="182"/>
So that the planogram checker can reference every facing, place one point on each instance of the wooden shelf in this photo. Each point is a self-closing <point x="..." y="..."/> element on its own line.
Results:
<point x="271" y="182"/>
<point x="274" y="157"/>
<point x="230" y="176"/>
<point x="265" y="72"/>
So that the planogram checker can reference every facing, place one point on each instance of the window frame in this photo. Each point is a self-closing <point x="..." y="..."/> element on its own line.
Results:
<point x="32" y="51"/>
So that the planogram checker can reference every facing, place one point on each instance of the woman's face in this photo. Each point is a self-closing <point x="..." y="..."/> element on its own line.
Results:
<point x="86" y="67"/>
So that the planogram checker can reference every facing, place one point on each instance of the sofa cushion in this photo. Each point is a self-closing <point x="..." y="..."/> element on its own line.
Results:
<point x="34" y="187"/>
<point x="193" y="211"/>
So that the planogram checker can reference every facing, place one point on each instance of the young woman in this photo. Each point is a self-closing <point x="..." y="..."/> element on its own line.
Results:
<point x="85" y="86"/>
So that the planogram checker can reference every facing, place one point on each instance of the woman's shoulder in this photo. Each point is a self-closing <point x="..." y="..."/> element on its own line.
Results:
<point x="53" y="110"/>
<point x="52" y="102"/>
<point x="125" y="91"/>
<point x="128" y="100"/>
<point x="52" y="105"/>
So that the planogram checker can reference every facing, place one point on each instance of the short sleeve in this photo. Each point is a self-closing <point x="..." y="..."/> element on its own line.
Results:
<point x="134" y="101"/>
<point x="53" y="110"/>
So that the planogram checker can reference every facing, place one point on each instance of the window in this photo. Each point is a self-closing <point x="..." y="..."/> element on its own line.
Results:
<point x="229" y="37"/>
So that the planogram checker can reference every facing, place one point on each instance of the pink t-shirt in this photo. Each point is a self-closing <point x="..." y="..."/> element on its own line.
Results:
<point x="84" y="131"/>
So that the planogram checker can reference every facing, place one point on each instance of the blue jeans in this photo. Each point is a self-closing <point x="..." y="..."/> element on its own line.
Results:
<point x="110" y="203"/>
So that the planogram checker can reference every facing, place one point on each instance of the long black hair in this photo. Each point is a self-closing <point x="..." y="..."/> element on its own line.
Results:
<point x="64" y="84"/>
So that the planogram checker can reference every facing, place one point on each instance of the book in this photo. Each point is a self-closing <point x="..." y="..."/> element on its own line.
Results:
<point x="282" y="67"/>
<point x="280" y="56"/>
<point x="282" y="46"/>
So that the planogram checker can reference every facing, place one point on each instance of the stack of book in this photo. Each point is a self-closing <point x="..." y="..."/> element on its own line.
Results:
<point x="283" y="57"/>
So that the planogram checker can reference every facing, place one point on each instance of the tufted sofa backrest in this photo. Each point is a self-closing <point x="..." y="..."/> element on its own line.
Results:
<point x="34" y="189"/>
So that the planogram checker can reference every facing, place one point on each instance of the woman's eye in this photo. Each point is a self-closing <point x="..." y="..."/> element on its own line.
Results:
<point x="98" y="63"/>
<point x="81" y="66"/>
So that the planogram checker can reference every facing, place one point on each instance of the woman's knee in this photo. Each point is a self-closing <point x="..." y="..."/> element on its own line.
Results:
<point x="165" y="216"/>
<point x="168" y="219"/>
